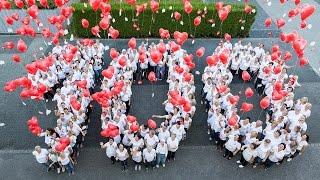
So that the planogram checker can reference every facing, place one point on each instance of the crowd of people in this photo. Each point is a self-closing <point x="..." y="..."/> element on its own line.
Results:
<point x="283" y="135"/>
<point x="69" y="83"/>
<point x="148" y="145"/>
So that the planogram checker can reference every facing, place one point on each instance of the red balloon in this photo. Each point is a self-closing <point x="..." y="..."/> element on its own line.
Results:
<point x="131" y="2"/>
<point x="293" y="12"/>
<point x="44" y="3"/>
<point x="9" y="20"/>
<point x="303" y="24"/>
<point x="114" y="33"/>
<point x="60" y="147"/>
<point x="82" y="84"/>
<point x="107" y="73"/>
<point x="246" y="107"/>
<point x="247" y="9"/>
<point x="276" y="95"/>
<point x="64" y="140"/>
<point x="154" y="5"/>
<point x="113" y="53"/>
<point x="33" y="121"/>
<point x="75" y="104"/>
<point x="132" y="43"/>
<point x="134" y="127"/>
<point x="19" y="3"/>
<point x="162" y="48"/>
<point x="278" y="86"/>
<point x="297" y="2"/>
<point x="219" y="5"/>
<point x="156" y="56"/>
<point x="95" y="30"/>
<point x="177" y="16"/>
<point x="212" y="60"/>
<point x="222" y="88"/>
<point x="303" y="61"/>
<point x="164" y="34"/>
<point x="142" y="57"/>
<point x="287" y="56"/>
<point x="8" y="45"/>
<point x="16" y="58"/>
<point x="245" y="76"/>
<point x="234" y="100"/>
<point x="232" y="121"/>
<point x="33" y="11"/>
<point x="187" y="107"/>
<point x="265" y="103"/>
<point x="306" y="11"/>
<point x="280" y="22"/>
<point x="299" y="45"/>
<point x="105" y="8"/>
<point x="104" y="23"/>
<point x="227" y="37"/>
<point x="94" y="4"/>
<point x="249" y="92"/>
<point x="112" y="126"/>
<point x="104" y="133"/>
<point x="122" y="61"/>
<point x="188" y="7"/>
<point x="224" y="56"/>
<point x="113" y="133"/>
<point x="197" y="21"/>
<point x="200" y="52"/>
<point x="152" y="124"/>
<point x="152" y="76"/>
<point x="131" y="119"/>
<point x="187" y="77"/>
<point x="277" y="69"/>
<point x="267" y="70"/>
<point x="85" y="23"/>
<point x="21" y="46"/>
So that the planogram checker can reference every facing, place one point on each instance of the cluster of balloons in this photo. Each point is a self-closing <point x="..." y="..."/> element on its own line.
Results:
<point x="62" y="144"/>
<point x="103" y="97"/>
<point x="177" y="100"/>
<point x="111" y="131"/>
<point x="34" y="126"/>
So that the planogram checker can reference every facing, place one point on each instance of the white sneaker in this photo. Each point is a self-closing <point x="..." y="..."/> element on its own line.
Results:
<point x="135" y="167"/>
<point x="238" y="162"/>
<point x="139" y="167"/>
<point x="289" y="159"/>
<point x="254" y="166"/>
<point x="240" y="166"/>
<point x="157" y="166"/>
<point x="163" y="165"/>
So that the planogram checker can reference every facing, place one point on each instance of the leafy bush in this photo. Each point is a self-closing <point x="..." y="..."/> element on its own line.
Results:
<point x="149" y="23"/>
<point x="50" y="4"/>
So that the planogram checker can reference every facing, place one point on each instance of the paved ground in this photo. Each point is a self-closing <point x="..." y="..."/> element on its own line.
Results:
<point x="196" y="157"/>
<point x="207" y="164"/>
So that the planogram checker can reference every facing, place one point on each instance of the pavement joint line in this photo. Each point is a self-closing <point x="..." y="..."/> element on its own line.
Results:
<point x="29" y="151"/>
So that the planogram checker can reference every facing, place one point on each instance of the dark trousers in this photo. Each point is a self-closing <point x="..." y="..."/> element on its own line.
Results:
<point x="124" y="164"/>
<point x="171" y="155"/>
<point x="228" y="154"/>
<point x="243" y="161"/>
<point x="149" y="164"/>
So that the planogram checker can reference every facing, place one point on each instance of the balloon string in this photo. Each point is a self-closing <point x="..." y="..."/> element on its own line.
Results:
<point x="221" y="29"/>
<point x="260" y="114"/>
<point x="190" y="25"/>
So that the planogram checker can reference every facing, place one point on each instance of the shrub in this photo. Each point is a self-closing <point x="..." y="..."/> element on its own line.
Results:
<point x="210" y="25"/>
<point x="50" y="4"/>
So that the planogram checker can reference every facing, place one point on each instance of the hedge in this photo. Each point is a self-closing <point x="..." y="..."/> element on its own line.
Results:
<point x="51" y="5"/>
<point x="164" y="20"/>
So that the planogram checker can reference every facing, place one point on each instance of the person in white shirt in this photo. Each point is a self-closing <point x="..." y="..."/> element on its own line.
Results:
<point x="162" y="152"/>
<point x="263" y="151"/>
<point x="149" y="156"/>
<point x="122" y="155"/>
<point x="173" y="145"/>
<point x="41" y="155"/>
<point x="178" y="130"/>
<point x="111" y="148"/>
<point x="276" y="155"/>
<point x="248" y="155"/>
<point x="163" y="132"/>
<point x="65" y="161"/>
<point x="137" y="158"/>
<point x="151" y="139"/>
<point x="232" y="147"/>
